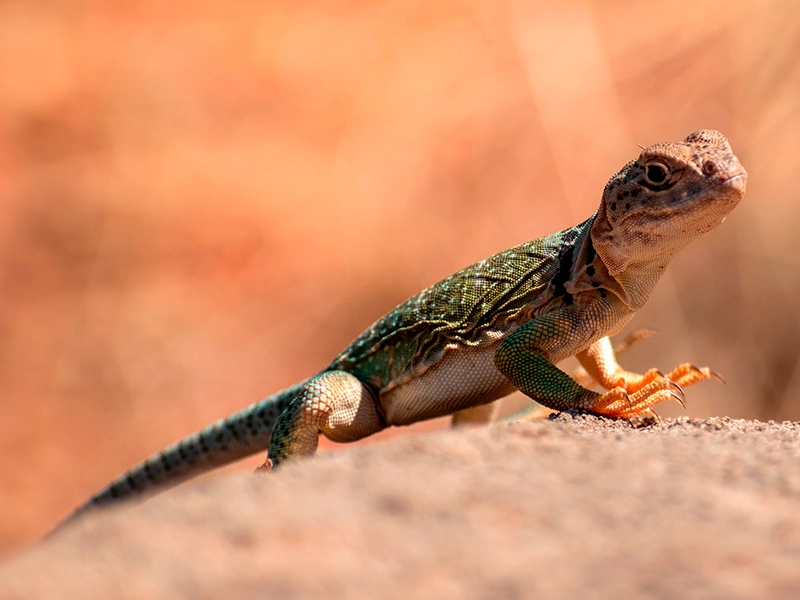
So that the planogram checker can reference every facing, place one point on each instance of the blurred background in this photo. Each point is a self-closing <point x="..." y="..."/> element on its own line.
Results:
<point x="203" y="202"/>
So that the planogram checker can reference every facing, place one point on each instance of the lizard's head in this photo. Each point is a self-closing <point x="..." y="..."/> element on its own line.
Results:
<point x="672" y="194"/>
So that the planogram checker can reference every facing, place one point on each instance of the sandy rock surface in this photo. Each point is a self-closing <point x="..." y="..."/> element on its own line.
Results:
<point x="574" y="507"/>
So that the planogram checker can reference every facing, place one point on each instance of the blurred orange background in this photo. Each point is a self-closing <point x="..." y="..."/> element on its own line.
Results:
<point x="204" y="202"/>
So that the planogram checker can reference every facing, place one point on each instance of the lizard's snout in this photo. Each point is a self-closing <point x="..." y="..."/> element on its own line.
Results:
<point x="734" y="179"/>
<point x="737" y="183"/>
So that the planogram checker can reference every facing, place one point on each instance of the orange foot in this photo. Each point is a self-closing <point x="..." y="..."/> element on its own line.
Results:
<point x="684" y="375"/>
<point x="621" y="404"/>
<point x="687" y="374"/>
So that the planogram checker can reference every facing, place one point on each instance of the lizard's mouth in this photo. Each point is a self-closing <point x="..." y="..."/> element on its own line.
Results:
<point x="736" y="182"/>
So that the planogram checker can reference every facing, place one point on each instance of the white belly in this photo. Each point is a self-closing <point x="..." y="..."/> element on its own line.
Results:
<point x="461" y="380"/>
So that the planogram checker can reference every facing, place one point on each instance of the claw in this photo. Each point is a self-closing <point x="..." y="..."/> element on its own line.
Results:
<point x="653" y="414"/>
<point x="677" y="398"/>
<point x="715" y="375"/>
<point x="677" y="387"/>
<point x="645" y="419"/>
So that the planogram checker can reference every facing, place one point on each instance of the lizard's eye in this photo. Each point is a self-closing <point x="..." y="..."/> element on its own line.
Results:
<point x="656" y="173"/>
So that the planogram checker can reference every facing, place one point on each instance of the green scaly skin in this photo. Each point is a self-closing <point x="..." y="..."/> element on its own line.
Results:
<point x="494" y="327"/>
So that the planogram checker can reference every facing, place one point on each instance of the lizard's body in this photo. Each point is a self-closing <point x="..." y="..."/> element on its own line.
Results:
<point x="495" y="327"/>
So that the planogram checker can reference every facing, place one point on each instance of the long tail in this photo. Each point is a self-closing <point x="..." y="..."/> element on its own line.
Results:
<point x="237" y="436"/>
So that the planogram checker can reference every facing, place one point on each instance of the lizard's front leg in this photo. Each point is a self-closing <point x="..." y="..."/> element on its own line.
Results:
<point x="334" y="403"/>
<point x="601" y="364"/>
<point x="528" y="355"/>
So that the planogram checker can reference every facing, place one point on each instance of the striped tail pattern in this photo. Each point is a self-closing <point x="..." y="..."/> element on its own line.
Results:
<point x="230" y="439"/>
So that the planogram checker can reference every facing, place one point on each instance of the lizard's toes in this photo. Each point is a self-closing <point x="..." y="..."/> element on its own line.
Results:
<point x="618" y="403"/>
<point x="687" y="374"/>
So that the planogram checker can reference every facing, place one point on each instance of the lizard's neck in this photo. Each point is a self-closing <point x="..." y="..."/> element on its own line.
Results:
<point x="589" y="270"/>
<point x="635" y="276"/>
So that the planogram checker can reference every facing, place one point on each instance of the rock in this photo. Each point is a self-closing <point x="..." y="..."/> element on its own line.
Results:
<point x="574" y="507"/>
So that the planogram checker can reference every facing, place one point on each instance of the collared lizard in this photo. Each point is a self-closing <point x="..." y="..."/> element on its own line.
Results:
<point x="497" y="326"/>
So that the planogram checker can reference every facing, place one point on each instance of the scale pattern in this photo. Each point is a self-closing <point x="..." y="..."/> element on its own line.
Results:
<point x="466" y="308"/>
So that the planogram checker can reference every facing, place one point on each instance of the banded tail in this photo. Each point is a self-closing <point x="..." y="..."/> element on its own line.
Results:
<point x="230" y="439"/>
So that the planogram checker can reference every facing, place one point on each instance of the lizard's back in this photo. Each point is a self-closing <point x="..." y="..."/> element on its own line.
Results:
<point x="409" y="354"/>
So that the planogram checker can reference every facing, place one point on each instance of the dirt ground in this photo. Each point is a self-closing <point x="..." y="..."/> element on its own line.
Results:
<point x="571" y="507"/>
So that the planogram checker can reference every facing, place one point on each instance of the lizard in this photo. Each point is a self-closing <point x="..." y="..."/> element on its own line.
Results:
<point x="497" y="326"/>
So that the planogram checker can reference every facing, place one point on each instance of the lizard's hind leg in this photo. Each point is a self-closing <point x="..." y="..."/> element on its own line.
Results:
<point x="482" y="414"/>
<point x="334" y="403"/>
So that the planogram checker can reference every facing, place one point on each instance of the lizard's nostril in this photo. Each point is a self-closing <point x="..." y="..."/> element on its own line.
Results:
<point x="709" y="168"/>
